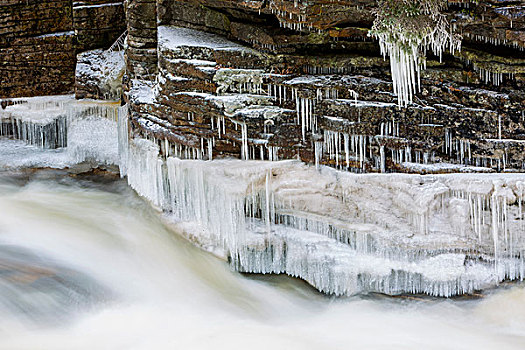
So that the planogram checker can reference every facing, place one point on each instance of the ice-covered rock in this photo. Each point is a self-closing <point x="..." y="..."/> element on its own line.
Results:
<point x="80" y="131"/>
<point x="344" y="233"/>
<point x="99" y="74"/>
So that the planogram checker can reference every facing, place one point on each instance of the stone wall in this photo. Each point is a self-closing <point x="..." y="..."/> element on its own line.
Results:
<point x="39" y="40"/>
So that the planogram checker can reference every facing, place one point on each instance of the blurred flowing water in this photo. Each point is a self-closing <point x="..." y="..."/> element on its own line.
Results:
<point x="86" y="264"/>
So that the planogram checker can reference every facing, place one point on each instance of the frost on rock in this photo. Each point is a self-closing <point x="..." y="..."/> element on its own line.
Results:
<point x="406" y="29"/>
<point x="231" y="103"/>
<point x="239" y="80"/>
<point x="99" y="74"/>
<point x="177" y="38"/>
<point x="142" y="92"/>
<point x="344" y="233"/>
<point x="80" y="131"/>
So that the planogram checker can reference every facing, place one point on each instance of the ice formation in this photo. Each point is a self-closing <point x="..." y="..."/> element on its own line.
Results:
<point x="80" y="130"/>
<point x="102" y="70"/>
<point x="177" y="40"/>
<point x="38" y="121"/>
<point x="344" y="233"/>
<point x="406" y="29"/>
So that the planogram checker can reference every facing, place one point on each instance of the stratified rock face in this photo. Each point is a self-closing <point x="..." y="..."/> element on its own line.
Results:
<point x="22" y="18"/>
<point x="38" y="65"/>
<point x="39" y="40"/>
<point x="141" y="54"/>
<point x="98" y="23"/>
<point x="36" y="47"/>
<point x="285" y="79"/>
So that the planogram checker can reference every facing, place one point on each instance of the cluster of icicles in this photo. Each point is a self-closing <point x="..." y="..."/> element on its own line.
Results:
<point x="488" y="76"/>
<point x="44" y="132"/>
<point x="406" y="49"/>
<point x="282" y="93"/>
<point x="86" y="130"/>
<point x="294" y="20"/>
<point x="345" y="151"/>
<point x="45" y="135"/>
<point x="348" y="151"/>
<point x="356" y="152"/>
<point x="341" y="232"/>
<point x="305" y="106"/>
<point x="495" y="41"/>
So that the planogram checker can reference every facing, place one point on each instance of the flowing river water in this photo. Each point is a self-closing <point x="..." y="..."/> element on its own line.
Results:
<point x="87" y="264"/>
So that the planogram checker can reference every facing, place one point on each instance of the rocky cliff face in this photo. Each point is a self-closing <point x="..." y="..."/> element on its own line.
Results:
<point x="293" y="79"/>
<point x="141" y="17"/>
<point x="272" y="80"/>
<point x="39" y="40"/>
<point x="284" y="79"/>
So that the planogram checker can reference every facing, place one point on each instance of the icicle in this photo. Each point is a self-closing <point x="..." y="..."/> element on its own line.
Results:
<point x="318" y="153"/>
<point x="383" y="159"/>
<point x="267" y="192"/>
<point x="244" y="144"/>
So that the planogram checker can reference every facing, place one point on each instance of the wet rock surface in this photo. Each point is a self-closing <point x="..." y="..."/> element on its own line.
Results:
<point x="34" y="287"/>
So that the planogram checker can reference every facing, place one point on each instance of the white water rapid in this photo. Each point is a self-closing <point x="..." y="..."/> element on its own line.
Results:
<point x="89" y="265"/>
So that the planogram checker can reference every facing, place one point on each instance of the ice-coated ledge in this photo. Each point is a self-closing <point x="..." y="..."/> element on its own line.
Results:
<point x="58" y="131"/>
<point x="189" y="44"/>
<point x="344" y="233"/>
<point x="172" y="38"/>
